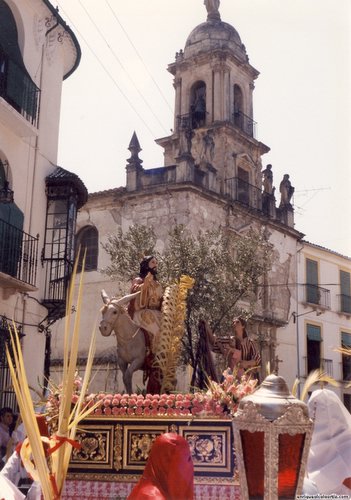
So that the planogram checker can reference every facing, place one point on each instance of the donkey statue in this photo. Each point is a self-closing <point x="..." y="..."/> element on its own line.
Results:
<point x="131" y="348"/>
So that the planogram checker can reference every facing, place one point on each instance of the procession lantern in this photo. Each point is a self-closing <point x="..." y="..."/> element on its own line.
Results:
<point x="272" y="435"/>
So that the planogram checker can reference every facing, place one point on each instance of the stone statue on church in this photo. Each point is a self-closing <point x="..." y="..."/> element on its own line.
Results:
<point x="212" y="7"/>
<point x="286" y="191"/>
<point x="267" y="179"/>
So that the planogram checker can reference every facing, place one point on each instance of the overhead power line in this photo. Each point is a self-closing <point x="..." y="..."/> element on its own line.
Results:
<point x="139" y="56"/>
<point x="109" y="74"/>
<point x="122" y="66"/>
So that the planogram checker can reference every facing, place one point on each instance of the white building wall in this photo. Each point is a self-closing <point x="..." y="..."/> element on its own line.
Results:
<point x="32" y="154"/>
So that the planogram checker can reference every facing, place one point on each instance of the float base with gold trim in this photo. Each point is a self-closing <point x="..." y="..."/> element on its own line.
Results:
<point x="114" y="451"/>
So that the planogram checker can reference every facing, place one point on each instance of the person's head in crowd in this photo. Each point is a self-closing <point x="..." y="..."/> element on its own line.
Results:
<point x="6" y="417"/>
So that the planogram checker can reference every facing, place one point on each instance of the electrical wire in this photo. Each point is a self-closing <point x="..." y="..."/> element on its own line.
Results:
<point x="139" y="56"/>
<point x="122" y="66"/>
<point x="109" y="74"/>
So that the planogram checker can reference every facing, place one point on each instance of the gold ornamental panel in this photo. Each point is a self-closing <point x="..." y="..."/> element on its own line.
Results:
<point x="96" y="450"/>
<point x="116" y="448"/>
<point x="138" y="440"/>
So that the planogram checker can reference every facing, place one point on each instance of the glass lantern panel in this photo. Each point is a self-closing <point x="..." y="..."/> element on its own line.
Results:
<point x="290" y="455"/>
<point x="253" y="455"/>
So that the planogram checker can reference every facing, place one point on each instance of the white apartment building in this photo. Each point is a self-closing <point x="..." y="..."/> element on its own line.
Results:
<point x="38" y="199"/>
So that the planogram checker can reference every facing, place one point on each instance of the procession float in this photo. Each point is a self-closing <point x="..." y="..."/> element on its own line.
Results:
<point x="246" y="441"/>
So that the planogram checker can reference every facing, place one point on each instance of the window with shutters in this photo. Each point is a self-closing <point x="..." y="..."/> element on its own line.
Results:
<point x="345" y="292"/>
<point x="312" y="289"/>
<point x="314" y="342"/>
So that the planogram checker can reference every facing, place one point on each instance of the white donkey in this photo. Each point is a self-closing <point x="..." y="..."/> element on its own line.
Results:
<point x="131" y="348"/>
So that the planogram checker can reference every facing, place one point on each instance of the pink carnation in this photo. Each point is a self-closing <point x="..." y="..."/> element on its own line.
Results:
<point x="107" y="411"/>
<point x="98" y="411"/>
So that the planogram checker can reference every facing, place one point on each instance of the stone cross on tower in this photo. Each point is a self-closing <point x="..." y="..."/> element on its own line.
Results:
<point x="212" y="7"/>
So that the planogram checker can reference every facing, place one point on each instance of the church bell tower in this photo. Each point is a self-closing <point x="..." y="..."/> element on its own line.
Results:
<point x="214" y="136"/>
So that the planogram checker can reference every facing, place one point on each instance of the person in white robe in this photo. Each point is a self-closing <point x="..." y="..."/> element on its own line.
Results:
<point x="329" y="459"/>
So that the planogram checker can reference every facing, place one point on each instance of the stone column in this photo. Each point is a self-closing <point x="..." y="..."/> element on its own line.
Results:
<point x="226" y="93"/>
<point x="177" y="84"/>
<point x="217" y="93"/>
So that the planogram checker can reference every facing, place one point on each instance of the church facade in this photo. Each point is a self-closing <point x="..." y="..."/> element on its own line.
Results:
<point x="213" y="176"/>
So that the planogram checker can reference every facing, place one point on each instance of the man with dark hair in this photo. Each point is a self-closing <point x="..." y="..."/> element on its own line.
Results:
<point x="146" y="312"/>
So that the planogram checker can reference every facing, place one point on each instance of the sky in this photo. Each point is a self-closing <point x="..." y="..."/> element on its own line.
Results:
<point x="302" y="97"/>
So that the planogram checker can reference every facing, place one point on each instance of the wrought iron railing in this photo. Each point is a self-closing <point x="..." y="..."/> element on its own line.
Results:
<point x="58" y="274"/>
<point x="245" y="123"/>
<point x="317" y="295"/>
<point x="7" y="393"/>
<point x="345" y="303"/>
<point x="346" y="368"/>
<point x="326" y="365"/>
<point x="238" y="119"/>
<point x="243" y="192"/>
<point x="18" y="253"/>
<point x="17" y="88"/>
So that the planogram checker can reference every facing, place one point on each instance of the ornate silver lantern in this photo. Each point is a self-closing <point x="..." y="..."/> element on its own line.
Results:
<point x="272" y="435"/>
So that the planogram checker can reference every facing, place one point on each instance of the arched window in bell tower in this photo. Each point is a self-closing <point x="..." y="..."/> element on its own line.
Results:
<point x="238" y="115"/>
<point x="198" y="104"/>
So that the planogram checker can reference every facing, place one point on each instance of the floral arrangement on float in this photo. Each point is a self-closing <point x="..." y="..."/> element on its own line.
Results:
<point x="220" y="400"/>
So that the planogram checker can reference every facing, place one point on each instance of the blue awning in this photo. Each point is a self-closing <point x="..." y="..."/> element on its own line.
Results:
<point x="346" y="339"/>
<point x="314" y="333"/>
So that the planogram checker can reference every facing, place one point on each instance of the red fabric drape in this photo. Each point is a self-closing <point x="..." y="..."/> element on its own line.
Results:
<point x="169" y="471"/>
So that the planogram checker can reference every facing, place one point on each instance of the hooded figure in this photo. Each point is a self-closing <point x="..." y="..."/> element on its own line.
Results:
<point x="169" y="471"/>
<point x="329" y="459"/>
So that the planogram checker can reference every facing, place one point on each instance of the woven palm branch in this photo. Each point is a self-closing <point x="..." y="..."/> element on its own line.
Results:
<point x="167" y="347"/>
<point x="52" y="477"/>
<point x="295" y="387"/>
<point x="316" y="376"/>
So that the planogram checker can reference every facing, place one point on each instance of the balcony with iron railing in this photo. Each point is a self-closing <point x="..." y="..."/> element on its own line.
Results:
<point x="241" y="121"/>
<point x="18" y="90"/>
<point x="344" y="303"/>
<point x="18" y="257"/>
<point x="346" y="368"/>
<point x="244" y="193"/>
<point x="326" y="365"/>
<point x="244" y="123"/>
<point x="317" y="295"/>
